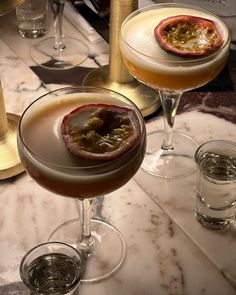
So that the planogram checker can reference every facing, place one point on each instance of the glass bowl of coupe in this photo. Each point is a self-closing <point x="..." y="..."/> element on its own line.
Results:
<point x="185" y="48"/>
<point x="97" y="143"/>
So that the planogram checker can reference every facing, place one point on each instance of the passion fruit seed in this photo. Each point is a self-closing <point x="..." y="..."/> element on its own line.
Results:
<point x="186" y="35"/>
<point x="99" y="131"/>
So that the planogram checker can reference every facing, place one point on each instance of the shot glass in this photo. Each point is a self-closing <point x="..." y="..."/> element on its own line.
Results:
<point x="32" y="18"/>
<point x="52" y="268"/>
<point x="216" y="184"/>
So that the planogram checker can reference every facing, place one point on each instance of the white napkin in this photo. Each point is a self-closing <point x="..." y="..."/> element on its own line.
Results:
<point x="80" y="23"/>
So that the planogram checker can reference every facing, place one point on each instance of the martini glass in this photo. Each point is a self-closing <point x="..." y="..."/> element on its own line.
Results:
<point x="58" y="170"/>
<point x="59" y="52"/>
<point x="170" y="154"/>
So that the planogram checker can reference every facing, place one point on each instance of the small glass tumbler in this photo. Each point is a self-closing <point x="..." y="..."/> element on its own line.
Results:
<point x="52" y="268"/>
<point x="216" y="185"/>
<point x="32" y="18"/>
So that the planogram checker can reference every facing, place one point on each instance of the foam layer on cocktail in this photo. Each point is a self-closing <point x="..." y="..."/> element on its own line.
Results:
<point x="52" y="165"/>
<point x="148" y="62"/>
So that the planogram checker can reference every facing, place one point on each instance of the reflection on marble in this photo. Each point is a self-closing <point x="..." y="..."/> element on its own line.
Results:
<point x="168" y="251"/>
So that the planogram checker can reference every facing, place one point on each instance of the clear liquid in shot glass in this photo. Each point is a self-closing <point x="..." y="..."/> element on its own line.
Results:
<point x="215" y="205"/>
<point x="54" y="273"/>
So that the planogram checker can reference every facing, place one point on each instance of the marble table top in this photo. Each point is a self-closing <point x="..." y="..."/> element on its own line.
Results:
<point x="168" y="252"/>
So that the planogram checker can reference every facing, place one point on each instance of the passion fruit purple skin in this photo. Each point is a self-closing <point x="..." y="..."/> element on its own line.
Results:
<point x="188" y="36"/>
<point x="107" y="131"/>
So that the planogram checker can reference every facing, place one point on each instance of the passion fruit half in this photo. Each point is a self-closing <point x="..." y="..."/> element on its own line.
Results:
<point x="100" y="132"/>
<point x="188" y="36"/>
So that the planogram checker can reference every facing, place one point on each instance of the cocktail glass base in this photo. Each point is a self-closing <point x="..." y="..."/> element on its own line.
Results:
<point x="108" y="252"/>
<point x="173" y="163"/>
<point x="72" y="54"/>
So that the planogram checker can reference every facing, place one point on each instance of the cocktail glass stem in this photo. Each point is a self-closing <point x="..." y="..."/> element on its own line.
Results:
<point x="58" y="8"/>
<point x="59" y="52"/>
<point x="170" y="102"/>
<point x="86" y="243"/>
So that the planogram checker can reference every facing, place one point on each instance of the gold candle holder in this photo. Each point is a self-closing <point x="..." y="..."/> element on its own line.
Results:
<point x="115" y="76"/>
<point x="10" y="164"/>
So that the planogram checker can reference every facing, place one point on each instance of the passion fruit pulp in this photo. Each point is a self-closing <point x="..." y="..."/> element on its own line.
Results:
<point x="188" y="36"/>
<point x="100" y="132"/>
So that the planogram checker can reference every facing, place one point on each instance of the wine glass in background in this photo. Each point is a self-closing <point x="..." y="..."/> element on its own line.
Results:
<point x="57" y="169"/>
<point x="170" y="154"/>
<point x="59" y="52"/>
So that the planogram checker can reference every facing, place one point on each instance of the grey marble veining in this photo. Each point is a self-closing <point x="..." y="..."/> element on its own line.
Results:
<point x="160" y="257"/>
<point x="20" y="84"/>
<point x="179" y="203"/>
<point x="168" y="252"/>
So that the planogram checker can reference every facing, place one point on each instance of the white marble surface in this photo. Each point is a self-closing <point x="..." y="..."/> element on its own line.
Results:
<point x="168" y="251"/>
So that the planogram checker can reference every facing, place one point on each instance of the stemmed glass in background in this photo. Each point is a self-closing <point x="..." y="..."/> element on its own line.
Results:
<point x="59" y="171"/>
<point x="169" y="153"/>
<point x="59" y="52"/>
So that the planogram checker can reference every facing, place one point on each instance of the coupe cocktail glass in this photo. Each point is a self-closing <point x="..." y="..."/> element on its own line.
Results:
<point x="48" y="161"/>
<point x="170" y="154"/>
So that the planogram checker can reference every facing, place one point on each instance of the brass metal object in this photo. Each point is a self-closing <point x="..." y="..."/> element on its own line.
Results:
<point x="146" y="99"/>
<point x="115" y="76"/>
<point x="8" y="5"/>
<point x="10" y="164"/>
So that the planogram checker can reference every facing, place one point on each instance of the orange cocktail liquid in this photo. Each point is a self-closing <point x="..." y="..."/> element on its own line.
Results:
<point x="159" y="80"/>
<point x="150" y="64"/>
